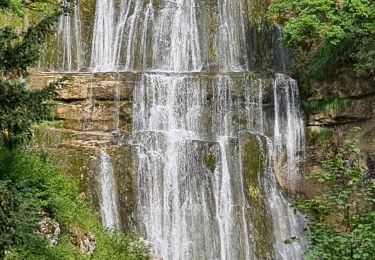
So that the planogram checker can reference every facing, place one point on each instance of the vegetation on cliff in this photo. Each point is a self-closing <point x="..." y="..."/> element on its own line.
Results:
<point x="341" y="218"/>
<point x="42" y="214"/>
<point x="31" y="188"/>
<point x="328" y="34"/>
<point x="20" y="107"/>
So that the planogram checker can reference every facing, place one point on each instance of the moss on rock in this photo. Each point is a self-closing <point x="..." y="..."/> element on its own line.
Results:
<point x="252" y="168"/>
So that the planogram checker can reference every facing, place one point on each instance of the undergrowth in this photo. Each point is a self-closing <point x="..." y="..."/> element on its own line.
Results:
<point x="30" y="187"/>
<point x="341" y="218"/>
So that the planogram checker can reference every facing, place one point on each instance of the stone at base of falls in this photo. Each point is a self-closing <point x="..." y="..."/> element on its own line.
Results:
<point x="85" y="241"/>
<point x="49" y="229"/>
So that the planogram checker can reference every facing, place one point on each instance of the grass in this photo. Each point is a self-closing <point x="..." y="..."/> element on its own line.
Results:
<point x="326" y="105"/>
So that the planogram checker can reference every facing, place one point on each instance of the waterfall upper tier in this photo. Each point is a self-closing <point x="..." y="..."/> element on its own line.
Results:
<point x="169" y="35"/>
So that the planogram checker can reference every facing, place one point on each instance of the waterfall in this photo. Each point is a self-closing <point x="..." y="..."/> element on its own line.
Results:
<point x="231" y="36"/>
<point x="285" y="220"/>
<point x="176" y="44"/>
<point x="288" y="117"/>
<point x="104" y="34"/>
<point x="108" y="193"/>
<point x="191" y="191"/>
<point x="69" y="32"/>
<point x="213" y="142"/>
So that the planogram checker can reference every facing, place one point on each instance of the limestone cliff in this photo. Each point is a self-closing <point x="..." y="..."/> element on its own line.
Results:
<point x="86" y="118"/>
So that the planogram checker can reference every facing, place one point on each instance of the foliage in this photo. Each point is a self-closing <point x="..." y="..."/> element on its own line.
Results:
<point x="318" y="135"/>
<point x="326" y="104"/>
<point x="30" y="186"/>
<point x="342" y="217"/>
<point x="20" y="106"/>
<point x="328" y="33"/>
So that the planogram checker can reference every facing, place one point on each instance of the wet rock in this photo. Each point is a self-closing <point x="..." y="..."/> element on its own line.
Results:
<point x="252" y="156"/>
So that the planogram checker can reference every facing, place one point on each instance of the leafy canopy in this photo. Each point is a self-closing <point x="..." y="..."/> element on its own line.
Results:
<point x="328" y="33"/>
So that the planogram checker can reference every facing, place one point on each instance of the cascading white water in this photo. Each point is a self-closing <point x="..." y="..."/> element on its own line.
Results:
<point x="285" y="219"/>
<point x="108" y="193"/>
<point x="65" y="32"/>
<point x="231" y="40"/>
<point x="104" y="35"/>
<point x="189" y="210"/>
<point x="69" y="32"/>
<point x="176" y="43"/>
<point x="197" y="197"/>
<point x="117" y="43"/>
<point x="288" y="117"/>
<point x="175" y="193"/>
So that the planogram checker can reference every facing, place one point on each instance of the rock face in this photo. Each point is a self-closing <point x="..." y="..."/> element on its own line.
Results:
<point x="86" y="119"/>
<point x="252" y="161"/>
<point x="356" y="105"/>
<point x="346" y="102"/>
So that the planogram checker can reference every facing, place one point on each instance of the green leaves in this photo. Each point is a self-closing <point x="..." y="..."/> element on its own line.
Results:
<point x="5" y="4"/>
<point x="21" y="51"/>
<point x="321" y="31"/>
<point x="341" y="218"/>
<point x="21" y="107"/>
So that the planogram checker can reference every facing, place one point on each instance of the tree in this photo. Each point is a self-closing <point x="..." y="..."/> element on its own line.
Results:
<point x="328" y="34"/>
<point x="20" y="106"/>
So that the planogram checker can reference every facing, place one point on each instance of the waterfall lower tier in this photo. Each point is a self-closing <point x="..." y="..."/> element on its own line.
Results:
<point x="205" y="154"/>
